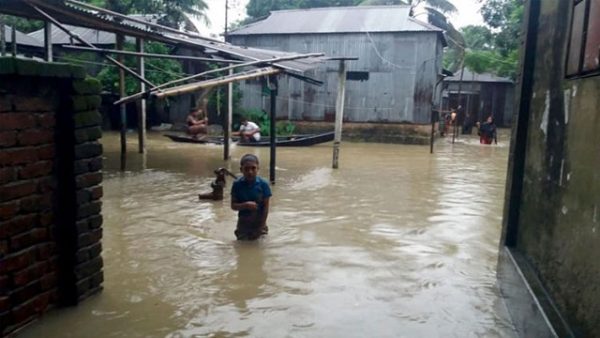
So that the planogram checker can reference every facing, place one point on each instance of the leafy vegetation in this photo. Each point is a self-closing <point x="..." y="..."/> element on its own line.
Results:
<point x="260" y="117"/>
<point x="494" y="48"/>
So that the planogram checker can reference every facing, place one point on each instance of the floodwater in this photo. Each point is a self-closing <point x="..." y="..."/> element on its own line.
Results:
<point x="395" y="243"/>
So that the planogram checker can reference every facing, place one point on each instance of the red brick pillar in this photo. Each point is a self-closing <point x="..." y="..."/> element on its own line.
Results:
<point x="50" y="176"/>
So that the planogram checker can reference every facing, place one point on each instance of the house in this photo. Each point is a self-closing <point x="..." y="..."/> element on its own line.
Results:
<point x="394" y="79"/>
<point x="549" y="268"/>
<point x="480" y="95"/>
<point x="26" y="45"/>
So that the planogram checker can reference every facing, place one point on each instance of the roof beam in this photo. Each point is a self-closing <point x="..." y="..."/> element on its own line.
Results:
<point x="187" y="88"/>
<point x="149" y="55"/>
<point x="246" y="64"/>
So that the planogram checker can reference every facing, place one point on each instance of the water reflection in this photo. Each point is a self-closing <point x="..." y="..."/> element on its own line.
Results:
<point x="396" y="243"/>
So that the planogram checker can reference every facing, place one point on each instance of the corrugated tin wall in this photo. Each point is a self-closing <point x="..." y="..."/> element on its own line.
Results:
<point x="402" y="69"/>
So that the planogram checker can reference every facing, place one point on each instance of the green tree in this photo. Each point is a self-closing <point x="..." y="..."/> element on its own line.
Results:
<point x="495" y="50"/>
<point x="174" y="10"/>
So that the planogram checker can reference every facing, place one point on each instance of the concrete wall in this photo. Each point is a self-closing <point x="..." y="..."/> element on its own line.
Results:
<point x="50" y="176"/>
<point x="402" y="69"/>
<point x="552" y="218"/>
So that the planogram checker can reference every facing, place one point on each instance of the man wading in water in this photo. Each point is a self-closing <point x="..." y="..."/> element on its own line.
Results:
<point x="250" y="196"/>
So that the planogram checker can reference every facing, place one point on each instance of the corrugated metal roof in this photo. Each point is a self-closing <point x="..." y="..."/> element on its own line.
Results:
<point x="470" y="76"/>
<point x="72" y="15"/>
<point x="93" y="36"/>
<point x="22" y="38"/>
<point x="337" y="20"/>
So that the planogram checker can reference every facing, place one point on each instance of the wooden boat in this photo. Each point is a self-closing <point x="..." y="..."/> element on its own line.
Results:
<point x="282" y="141"/>
<point x="188" y="139"/>
<point x="292" y="141"/>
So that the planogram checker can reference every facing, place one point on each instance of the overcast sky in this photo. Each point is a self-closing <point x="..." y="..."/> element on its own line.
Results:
<point x="467" y="14"/>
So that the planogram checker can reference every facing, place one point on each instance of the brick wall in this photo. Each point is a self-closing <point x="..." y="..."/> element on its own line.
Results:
<point x="50" y="189"/>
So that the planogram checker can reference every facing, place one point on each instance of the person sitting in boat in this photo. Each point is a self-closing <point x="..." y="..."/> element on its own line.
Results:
<point x="249" y="131"/>
<point x="487" y="131"/>
<point x="197" y="123"/>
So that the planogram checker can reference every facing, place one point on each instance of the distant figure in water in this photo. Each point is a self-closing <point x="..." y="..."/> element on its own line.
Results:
<point x="217" y="185"/>
<point x="487" y="131"/>
<point x="250" y="196"/>
<point x="197" y="123"/>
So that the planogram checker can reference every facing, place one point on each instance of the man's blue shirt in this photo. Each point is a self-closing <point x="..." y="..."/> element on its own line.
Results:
<point x="243" y="191"/>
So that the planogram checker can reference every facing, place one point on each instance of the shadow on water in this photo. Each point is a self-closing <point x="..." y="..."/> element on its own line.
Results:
<point x="396" y="243"/>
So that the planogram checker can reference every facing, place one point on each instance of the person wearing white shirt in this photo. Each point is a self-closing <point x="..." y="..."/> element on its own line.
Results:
<point x="249" y="131"/>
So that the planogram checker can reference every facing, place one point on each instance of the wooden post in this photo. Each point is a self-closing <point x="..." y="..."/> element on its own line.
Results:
<point x="432" y="137"/>
<point x="454" y="130"/>
<point x="2" y="36"/>
<point x="339" y="113"/>
<point x="48" y="41"/>
<point x="273" y="90"/>
<point x="120" y="41"/>
<point x="13" y="35"/>
<point x="228" y="118"/>
<point x="142" y="111"/>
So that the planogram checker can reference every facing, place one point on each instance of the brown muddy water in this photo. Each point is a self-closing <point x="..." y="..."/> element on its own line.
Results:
<point x="395" y="243"/>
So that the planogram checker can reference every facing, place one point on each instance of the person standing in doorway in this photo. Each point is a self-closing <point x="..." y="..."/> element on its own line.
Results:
<point x="250" y="196"/>
<point x="487" y="131"/>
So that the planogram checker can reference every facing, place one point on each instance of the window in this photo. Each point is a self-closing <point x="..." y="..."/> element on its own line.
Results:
<point x="583" y="57"/>
<point x="357" y="76"/>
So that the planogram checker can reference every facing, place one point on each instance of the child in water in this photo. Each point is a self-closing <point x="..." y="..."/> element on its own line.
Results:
<point x="250" y="196"/>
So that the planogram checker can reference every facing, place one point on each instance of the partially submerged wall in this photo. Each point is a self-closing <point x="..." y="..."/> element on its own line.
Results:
<point x="403" y="133"/>
<point x="552" y="220"/>
<point x="50" y="176"/>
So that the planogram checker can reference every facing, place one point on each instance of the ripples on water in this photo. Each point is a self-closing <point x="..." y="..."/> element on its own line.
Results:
<point x="396" y="243"/>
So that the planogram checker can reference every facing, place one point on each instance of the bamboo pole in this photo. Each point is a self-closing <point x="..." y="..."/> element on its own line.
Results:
<point x="339" y="113"/>
<point x="217" y="82"/>
<point x="142" y="110"/>
<point x="228" y="118"/>
<point x="150" y="55"/>
<point x="273" y="162"/>
<point x="455" y="130"/>
<point x="240" y="65"/>
<point x="123" y="108"/>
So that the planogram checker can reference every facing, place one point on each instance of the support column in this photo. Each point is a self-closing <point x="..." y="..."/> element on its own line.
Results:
<point x="13" y="35"/>
<point x="273" y="162"/>
<point x="2" y="36"/>
<point x="455" y="130"/>
<point x="122" y="94"/>
<point x="228" y="118"/>
<point x="48" y="41"/>
<point x="339" y="113"/>
<point x="142" y="109"/>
